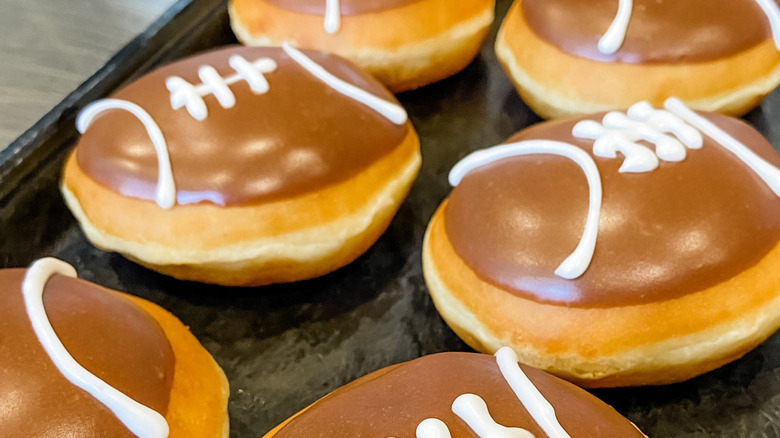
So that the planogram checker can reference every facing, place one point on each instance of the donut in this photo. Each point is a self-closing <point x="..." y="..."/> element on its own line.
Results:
<point x="458" y="395"/>
<point x="643" y="268"/>
<point x="243" y="166"/>
<point x="404" y="43"/>
<point x="79" y="360"/>
<point x="576" y="57"/>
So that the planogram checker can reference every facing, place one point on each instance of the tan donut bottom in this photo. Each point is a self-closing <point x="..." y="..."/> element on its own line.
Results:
<point x="405" y="47"/>
<point x="555" y="84"/>
<point x="199" y="394"/>
<point x="282" y="241"/>
<point x="649" y="344"/>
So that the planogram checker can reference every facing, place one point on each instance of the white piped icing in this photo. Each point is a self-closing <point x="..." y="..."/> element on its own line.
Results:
<point x="577" y="263"/>
<point x="772" y="12"/>
<point x="332" y="16"/>
<point x="432" y="428"/>
<point x="619" y="132"/>
<point x="473" y="410"/>
<point x="613" y="39"/>
<point x="142" y="421"/>
<point x="767" y="172"/>
<point x="540" y="409"/>
<point x="165" y="194"/>
<point x="184" y="94"/>
<point x="395" y="113"/>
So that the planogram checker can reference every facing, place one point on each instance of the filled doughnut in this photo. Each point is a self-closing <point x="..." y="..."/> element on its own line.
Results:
<point x="79" y="360"/>
<point x="243" y="166"/>
<point x="458" y="395"/>
<point x="569" y="57"/>
<point x="614" y="249"/>
<point x="404" y="43"/>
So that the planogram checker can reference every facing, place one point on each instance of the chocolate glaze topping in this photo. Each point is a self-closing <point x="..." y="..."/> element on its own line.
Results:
<point x="299" y="137"/>
<point x="676" y="230"/>
<point x="348" y="7"/>
<point x="106" y="333"/>
<point x="660" y="31"/>
<point x="394" y="400"/>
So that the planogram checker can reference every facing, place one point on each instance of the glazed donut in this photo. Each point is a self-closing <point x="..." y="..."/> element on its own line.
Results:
<point x="80" y="360"/>
<point x="574" y="57"/>
<point x="243" y="166"/>
<point x="458" y="395"/>
<point x="404" y="43"/>
<point x="660" y="264"/>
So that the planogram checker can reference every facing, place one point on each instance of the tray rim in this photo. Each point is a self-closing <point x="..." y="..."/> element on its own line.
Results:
<point x="56" y="130"/>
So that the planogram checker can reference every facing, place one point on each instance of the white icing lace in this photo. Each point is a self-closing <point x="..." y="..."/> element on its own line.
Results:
<point x="184" y="94"/>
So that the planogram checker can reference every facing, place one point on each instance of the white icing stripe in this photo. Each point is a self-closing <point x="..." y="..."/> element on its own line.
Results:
<point x="620" y="132"/>
<point x="166" y="188"/>
<point x="474" y="412"/>
<point x="772" y="12"/>
<point x="394" y="113"/>
<point x="540" y="409"/>
<point x="616" y="34"/>
<point x="768" y="173"/>
<point x="184" y="94"/>
<point x="332" y="16"/>
<point x="579" y="260"/>
<point x="139" y="419"/>
<point x="432" y="428"/>
<point x="613" y="39"/>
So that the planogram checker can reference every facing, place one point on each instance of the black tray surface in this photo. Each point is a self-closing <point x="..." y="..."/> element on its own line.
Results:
<point x="282" y="347"/>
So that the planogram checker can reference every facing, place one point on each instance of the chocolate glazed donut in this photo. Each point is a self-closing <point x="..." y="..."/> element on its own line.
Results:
<point x="394" y="401"/>
<point x="105" y="332"/>
<point x="79" y="360"/>
<point x="570" y="57"/>
<point x="658" y="264"/>
<point x="406" y="44"/>
<point x="243" y="166"/>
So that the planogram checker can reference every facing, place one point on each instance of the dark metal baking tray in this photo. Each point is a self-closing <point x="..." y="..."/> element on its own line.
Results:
<point x="284" y="346"/>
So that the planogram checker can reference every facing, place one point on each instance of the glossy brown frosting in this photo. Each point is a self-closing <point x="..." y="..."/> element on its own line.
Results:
<point x="348" y="7"/>
<point x="106" y="333"/>
<point x="660" y="31"/>
<point x="299" y="137"/>
<point x="393" y="401"/>
<point x="676" y="230"/>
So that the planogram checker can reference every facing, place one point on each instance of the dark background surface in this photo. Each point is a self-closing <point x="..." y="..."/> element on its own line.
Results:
<point x="284" y="346"/>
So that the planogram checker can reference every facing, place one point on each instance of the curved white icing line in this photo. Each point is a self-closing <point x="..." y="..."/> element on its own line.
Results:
<point x="165" y="194"/>
<point x="332" y="16"/>
<point x="540" y="409"/>
<point x="767" y="172"/>
<point x="432" y="428"/>
<point x="184" y="94"/>
<point x="772" y="12"/>
<point x="579" y="260"/>
<point x="619" y="132"/>
<point x="139" y="419"/>
<point x="394" y="113"/>
<point x="616" y="34"/>
<point x="473" y="410"/>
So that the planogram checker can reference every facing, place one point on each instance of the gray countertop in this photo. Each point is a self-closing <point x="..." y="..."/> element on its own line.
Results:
<point x="49" y="47"/>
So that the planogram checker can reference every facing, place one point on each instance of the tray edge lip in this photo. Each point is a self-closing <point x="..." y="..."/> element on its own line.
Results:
<point x="55" y="130"/>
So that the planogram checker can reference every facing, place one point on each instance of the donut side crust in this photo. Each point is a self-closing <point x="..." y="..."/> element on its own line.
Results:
<point x="200" y="390"/>
<point x="649" y="344"/>
<point x="555" y="84"/>
<point x="287" y="240"/>
<point x="420" y="43"/>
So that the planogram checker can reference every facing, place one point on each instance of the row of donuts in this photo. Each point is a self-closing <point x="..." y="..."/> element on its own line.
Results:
<point x="273" y="164"/>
